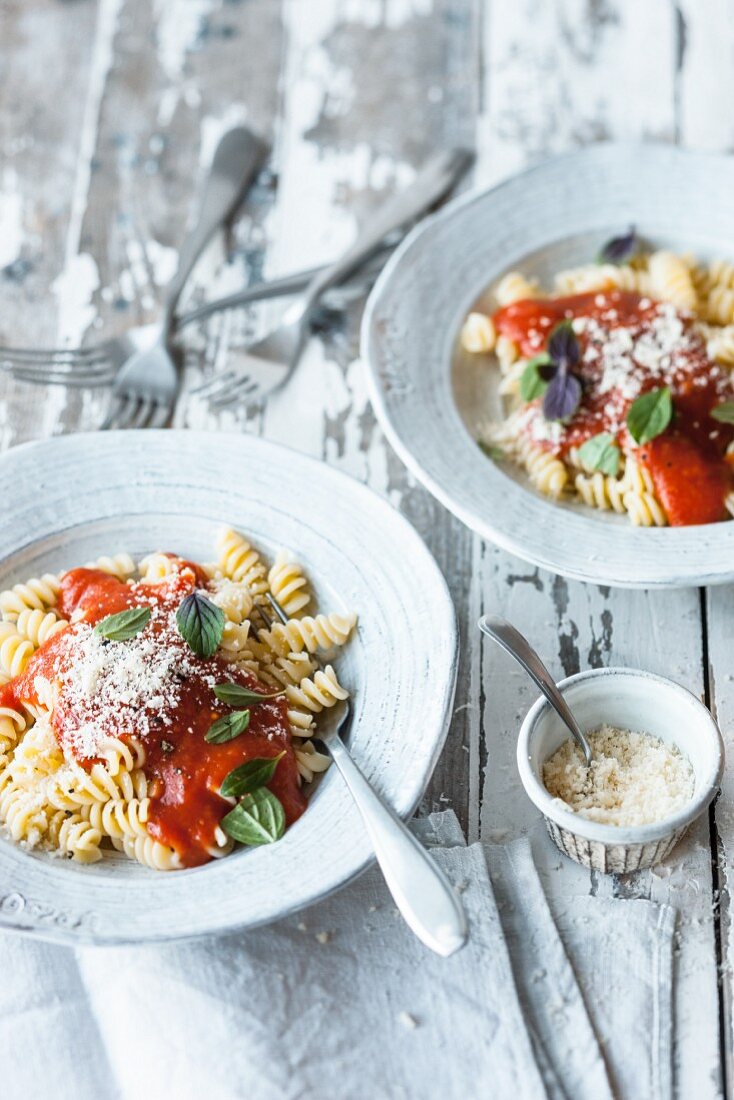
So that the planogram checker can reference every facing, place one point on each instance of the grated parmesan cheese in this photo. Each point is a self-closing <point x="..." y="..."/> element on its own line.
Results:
<point x="621" y="362"/>
<point x="634" y="778"/>
<point x="132" y="686"/>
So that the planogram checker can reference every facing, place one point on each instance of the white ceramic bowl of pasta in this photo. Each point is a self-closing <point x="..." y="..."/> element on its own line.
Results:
<point x="433" y="399"/>
<point x="628" y="699"/>
<point x="68" y="500"/>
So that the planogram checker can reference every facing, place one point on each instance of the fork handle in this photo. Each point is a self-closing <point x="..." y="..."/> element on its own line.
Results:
<point x="421" y="891"/>
<point x="432" y="182"/>
<point x="238" y="157"/>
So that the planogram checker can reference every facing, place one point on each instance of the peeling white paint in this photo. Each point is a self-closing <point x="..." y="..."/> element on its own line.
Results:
<point x="11" y="220"/>
<point x="75" y="286"/>
<point x="179" y="25"/>
<point x="74" y="290"/>
<point x="214" y="127"/>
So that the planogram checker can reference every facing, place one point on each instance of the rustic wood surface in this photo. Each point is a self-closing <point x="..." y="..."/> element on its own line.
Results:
<point x="107" y="112"/>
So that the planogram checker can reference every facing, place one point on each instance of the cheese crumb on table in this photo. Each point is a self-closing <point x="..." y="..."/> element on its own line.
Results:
<point x="634" y="778"/>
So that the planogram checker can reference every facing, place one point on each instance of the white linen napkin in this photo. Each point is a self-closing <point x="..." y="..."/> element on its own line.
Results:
<point x="342" y="1000"/>
<point x="595" y="978"/>
<point x="622" y="950"/>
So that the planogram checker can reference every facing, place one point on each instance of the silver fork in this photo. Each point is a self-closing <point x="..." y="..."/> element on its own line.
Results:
<point x="270" y="361"/>
<point x="98" y="364"/>
<point x="146" y="386"/>
<point x="422" y="892"/>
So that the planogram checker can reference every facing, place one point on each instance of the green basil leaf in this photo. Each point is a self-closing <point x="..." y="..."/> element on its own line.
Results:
<point x="724" y="412"/>
<point x="200" y="624"/>
<point x="601" y="452"/>
<point x="125" y="625"/>
<point x="531" y="383"/>
<point x="650" y="414"/>
<point x="489" y="449"/>
<point x="258" y="819"/>
<point x="251" y="776"/>
<point x="228" y="727"/>
<point x="234" y="695"/>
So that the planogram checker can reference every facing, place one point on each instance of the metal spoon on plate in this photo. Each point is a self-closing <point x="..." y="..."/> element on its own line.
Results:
<point x="513" y="642"/>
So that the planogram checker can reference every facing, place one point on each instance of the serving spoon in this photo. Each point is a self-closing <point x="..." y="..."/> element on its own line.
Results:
<point x="514" y="643"/>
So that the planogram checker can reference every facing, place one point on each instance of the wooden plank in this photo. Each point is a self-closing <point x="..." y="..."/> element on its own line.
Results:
<point x="346" y="140"/>
<point x="705" y="74"/>
<point x="41" y="134"/>
<point x="548" y="82"/>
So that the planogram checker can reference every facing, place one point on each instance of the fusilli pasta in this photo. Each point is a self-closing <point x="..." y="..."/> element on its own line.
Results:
<point x="79" y="807"/>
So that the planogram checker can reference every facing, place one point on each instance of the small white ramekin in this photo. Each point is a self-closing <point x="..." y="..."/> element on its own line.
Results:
<point x="629" y="699"/>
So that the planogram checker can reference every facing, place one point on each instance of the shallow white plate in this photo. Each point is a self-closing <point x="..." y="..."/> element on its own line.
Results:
<point x="70" y="499"/>
<point x="430" y="397"/>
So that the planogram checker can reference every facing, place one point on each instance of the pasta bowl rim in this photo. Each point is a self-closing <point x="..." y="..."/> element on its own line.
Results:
<point x="616" y="835"/>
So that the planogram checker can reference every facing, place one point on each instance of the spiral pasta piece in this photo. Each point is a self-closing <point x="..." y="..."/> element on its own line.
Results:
<point x="644" y="510"/>
<point x="322" y="632"/>
<point x="670" y="280"/>
<point x="310" y="762"/>
<point x="121" y="566"/>
<point x="478" y="334"/>
<point x="288" y="584"/>
<point x="12" y="725"/>
<point x="721" y="273"/>
<point x="118" y="818"/>
<point x="239" y="561"/>
<point x="156" y="567"/>
<point x="38" y="626"/>
<point x="149" y="852"/>
<point x="99" y="785"/>
<point x="15" y="650"/>
<point x="511" y="374"/>
<point x="633" y="493"/>
<point x="317" y="692"/>
<point x="233" y="597"/>
<point x="22" y="813"/>
<point x="283" y="672"/>
<point x="602" y="277"/>
<point x="507" y="353"/>
<point x="127" y="755"/>
<point x="601" y="491"/>
<point x="720" y="345"/>
<point x="222" y="846"/>
<point x="234" y="643"/>
<point x="39" y="593"/>
<point x="514" y="287"/>
<point x="37" y="756"/>
<point x="720" y="305"/>
<point x="546" y="472"/>
<point x="76" y="837"/>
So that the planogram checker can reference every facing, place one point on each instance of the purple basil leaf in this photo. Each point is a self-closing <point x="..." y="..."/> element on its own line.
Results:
<point x="562" y="397"/>
<point x="620" y="249"/>
<point x="563" y="347"/>
<point x="547" y="371"/>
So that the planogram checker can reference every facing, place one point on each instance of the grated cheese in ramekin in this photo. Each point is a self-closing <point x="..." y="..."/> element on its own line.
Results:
<point x="634" y="778"/>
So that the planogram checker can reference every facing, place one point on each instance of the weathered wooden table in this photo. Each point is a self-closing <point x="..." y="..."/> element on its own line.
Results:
<point x="107" y="111"/>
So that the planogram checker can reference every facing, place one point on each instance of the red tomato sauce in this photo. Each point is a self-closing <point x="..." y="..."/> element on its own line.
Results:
<point x="184" y="772"/>
<point x="687" y="462"/>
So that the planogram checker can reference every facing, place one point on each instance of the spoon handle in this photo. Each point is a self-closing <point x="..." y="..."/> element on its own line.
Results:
<point x="517" y="646"/>
<point x="422" y="893"/>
